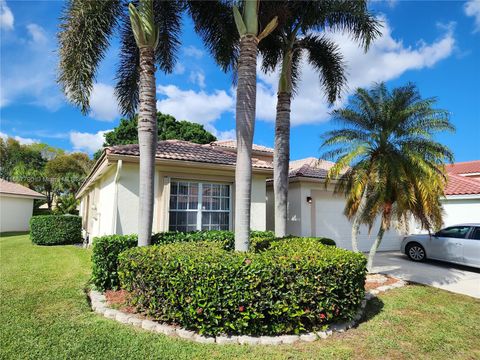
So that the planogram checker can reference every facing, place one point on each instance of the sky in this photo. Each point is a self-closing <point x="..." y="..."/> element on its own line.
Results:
<point x="435" y="44"/>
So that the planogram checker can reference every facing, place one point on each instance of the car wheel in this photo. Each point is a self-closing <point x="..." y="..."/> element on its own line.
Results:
<point x="416" y="252"/>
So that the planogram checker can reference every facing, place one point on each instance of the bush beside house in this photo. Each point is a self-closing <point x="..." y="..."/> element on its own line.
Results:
<point x="107" y="248"/>
<point x="292" y="287"/>
<point x="56" y="229"/>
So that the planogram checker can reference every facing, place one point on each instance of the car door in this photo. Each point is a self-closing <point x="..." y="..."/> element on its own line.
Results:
<point x="447" y="244"/>
<point x="471" y="248"/>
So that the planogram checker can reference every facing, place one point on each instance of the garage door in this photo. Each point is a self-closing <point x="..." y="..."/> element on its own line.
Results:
<point x="331" y="223"/>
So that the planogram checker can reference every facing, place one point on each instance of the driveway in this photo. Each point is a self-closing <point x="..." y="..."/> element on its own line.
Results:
<point x="455" y="278"/>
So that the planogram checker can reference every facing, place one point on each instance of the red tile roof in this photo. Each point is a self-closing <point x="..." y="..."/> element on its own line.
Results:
<point x="310" y="167"/>
<point x="187" y="151"/>
<point x="7" y="187"/>
<point x="232" y="144"/>
<point x="466" y="167"/>
<point x="461" y="185"/>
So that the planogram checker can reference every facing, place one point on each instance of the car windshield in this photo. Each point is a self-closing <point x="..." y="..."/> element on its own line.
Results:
<point x="454" y="232"/>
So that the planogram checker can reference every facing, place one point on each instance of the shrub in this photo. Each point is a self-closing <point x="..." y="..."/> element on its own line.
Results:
<point x="107" y="248"/>
<point x="292" y="287"/>
<point x="105" y="258"/>
<point x="55" y="229"/>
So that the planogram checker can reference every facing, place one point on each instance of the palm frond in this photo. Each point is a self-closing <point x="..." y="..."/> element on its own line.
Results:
<point x="90" y="23"/>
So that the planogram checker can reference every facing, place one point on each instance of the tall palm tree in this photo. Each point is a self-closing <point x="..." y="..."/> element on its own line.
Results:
<point x="298" y="35"/>
<point x="85" y="33"/>
<point x="248" y="28"/>
<point x="396" y="168"/>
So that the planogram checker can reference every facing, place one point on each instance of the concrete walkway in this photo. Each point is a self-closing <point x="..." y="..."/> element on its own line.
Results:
<point x="455" y="278"/>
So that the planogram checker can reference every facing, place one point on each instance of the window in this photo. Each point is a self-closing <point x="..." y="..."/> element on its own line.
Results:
<point x="458" y="232"/>
<point x="199" y="206"/>
<point x="475" y="234"/>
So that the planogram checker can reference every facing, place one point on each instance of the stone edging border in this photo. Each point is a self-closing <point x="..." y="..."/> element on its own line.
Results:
<point x="98" y="304"/>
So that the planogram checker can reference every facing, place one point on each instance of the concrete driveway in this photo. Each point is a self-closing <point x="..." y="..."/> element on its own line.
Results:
<point x="456" y="278"/>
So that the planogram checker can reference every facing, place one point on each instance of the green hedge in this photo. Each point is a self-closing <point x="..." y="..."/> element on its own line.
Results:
<point x="56" y="229"/>
<point x="107" y="248"/>
<point x="292" y="287"/>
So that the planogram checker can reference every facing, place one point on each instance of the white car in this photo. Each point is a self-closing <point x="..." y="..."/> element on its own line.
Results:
<point x="459" y="244"/>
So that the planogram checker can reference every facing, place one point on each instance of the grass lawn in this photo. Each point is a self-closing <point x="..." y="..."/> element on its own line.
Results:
<point x="44" y="314"/>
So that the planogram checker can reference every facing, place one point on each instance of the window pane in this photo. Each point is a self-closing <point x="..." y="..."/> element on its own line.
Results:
<point x="215" y="190"/>
<point x="182" y="202"/>
<point x="173" y="202"/>
<point x="225" y="204"/>
<point x="174" y="188"/>
<point x="458" y="232"/>
<point x="226" y="190"/>
<point x="183" y="188"/>
<point x="476" y="234"/>
<point x="215" y="203"/>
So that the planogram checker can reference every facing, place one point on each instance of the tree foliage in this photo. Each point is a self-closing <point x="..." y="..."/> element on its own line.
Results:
<point x="387" y="143"/>
<point x="168" y="128"/>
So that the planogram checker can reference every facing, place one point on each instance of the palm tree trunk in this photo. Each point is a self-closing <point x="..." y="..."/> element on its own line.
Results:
<point x="281" y="159"/>
<point x="356" y="220"/>
<point x="281" y="155"/>
<point x="245" y="122"/>
<point x="147" y="141"/>
<point x="376" y="244"/>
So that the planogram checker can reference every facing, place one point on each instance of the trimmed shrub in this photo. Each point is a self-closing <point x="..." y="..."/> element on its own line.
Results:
<point x="56" y="229"/>
<point x="292" y="287"/>
<point x="105" y="259"/>
<point x="107" y="248"/>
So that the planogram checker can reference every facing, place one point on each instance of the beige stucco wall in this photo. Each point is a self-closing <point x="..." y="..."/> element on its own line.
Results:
<point x="15" y="213"/>
<point x="121" y="217"/>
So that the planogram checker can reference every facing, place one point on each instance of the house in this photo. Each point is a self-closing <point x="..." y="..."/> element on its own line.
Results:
<point x="462" y="194"/>
<point x="194" y="190"/>
<point x="194" y="187"/>
<point x="314" y="210"/>
<point x="16" y="206"/>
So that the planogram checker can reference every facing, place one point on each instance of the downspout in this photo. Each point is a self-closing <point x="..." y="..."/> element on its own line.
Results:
<point x="115" y="197"/>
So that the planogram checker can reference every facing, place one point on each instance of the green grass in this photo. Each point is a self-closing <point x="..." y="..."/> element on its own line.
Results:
<point x="44" y="314"/>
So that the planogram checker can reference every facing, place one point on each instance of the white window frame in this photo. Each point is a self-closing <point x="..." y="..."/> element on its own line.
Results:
<point x="200" y="209"/>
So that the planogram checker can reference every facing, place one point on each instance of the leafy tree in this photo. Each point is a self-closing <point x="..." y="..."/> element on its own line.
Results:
<point x="12" y="153"/>
<point x="168" y="128"/>
<point x="67" y="172"/>
<point x="396" y="167"/>
<point x="247" y="24"/>
<point x="297" y="37"/>
<point x="67" y="204"/>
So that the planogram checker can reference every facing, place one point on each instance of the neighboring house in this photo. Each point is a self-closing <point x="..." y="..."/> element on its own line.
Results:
<point x="16" y="206"/>
<point x="314" y="210"/>
<point x="462" y="194"/>
<point x="194" y="188"/>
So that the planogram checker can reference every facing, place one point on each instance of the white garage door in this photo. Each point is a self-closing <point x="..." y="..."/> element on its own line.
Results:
<point x="331" y="223"/>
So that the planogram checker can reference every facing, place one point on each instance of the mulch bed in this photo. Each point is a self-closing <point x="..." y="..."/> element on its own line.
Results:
<point x="118" y="300"/>
<point x="374" y="281"/>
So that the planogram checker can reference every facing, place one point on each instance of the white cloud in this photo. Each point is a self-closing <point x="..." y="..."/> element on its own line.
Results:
<point x="37" y="33"/>
<point x="28" y="71"/>
<point x="387" y="59"/>
<point x="472" y="8"/>
<point x="221" y="135"/>
<point x="83" y="141"/>
<point x="179" y="68"/>
<point x="200" y="107"/>
<point x="198" y="77"/>
<point x="193" y="52"/>
<point x="21" y="140"/>
<point x="6" y="16"/>
<point x="103" y="103"/>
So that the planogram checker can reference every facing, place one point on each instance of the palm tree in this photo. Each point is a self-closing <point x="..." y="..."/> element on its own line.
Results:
<point x="297" y="35"/>
<point x="395" y="167"/>
<point x="85" y="32"/>
<point x="248" y="29"/>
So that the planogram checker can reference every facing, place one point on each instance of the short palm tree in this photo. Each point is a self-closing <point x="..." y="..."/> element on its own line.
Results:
<point x="247" y="24"/>
<point x="85" y="32"/>
<point x="395" y="167"/>
<point x="296" y="36"/>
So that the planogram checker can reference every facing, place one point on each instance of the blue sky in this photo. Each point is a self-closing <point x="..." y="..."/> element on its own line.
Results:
<point x="435" y="44"/>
